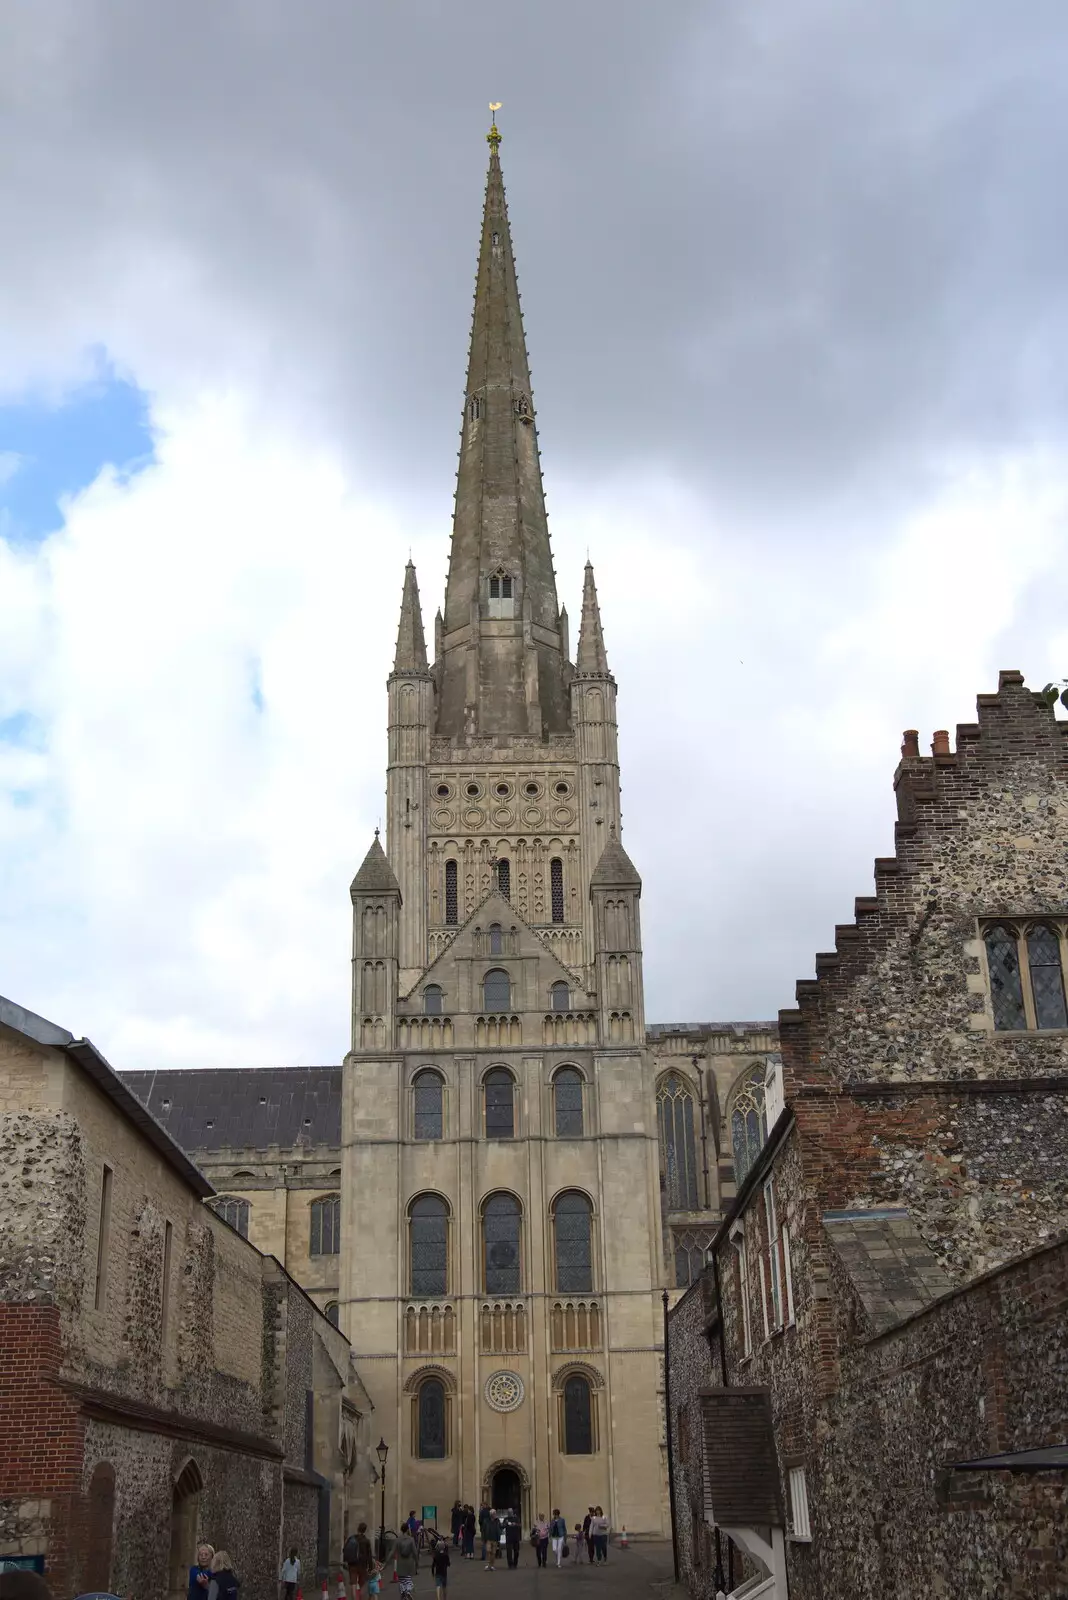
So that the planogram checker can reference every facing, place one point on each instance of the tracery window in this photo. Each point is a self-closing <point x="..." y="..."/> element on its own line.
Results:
<point x="474" y="408"/>
<point x="749" y="1121"/>
<point x="556" y="888"/>
<point x="451" y="905"/>
<point x="428" y="1246"/>
<point x="573" y="1243"/>
<point x="567" y="1094"/>
<point x="690" y="1251"/>
<point x="233" y="1211"/>
<point x="500" y="587"/>
<point x="498" y="1086"/>
<point x="1027" y="963"/>
<point x="432" y="1000"/>
<point x="560" y="996"/>
<point x="428" y="1105"/>
<point x="678" y="1152"/>
<point x="578" y="1416"/>
<point x="431" y="1407"/>
<point x="496" y="990"/>
<point x="501" y="1238"/>
<point x="326" y="1226"/>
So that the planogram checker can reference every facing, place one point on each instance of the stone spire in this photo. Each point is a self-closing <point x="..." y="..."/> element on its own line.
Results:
<point x="502" y="666"/>
<point x="591" y="655"/>
<point x="411" y="646"/>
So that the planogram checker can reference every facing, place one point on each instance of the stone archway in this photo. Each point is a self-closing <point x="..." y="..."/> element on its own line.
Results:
<point x="185" y="1516"/>
<point x="511" y="1483"/>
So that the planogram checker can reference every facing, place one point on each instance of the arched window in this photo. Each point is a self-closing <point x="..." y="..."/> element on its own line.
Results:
<point x="432" y="1000"/>
<point x="1047" y="981"/>
<point x="474" y="408"/>
<point x="430" y="1431"/>
<point x="428" y="1105"/>
<point x="504" y="876"/>
<point x="451" y="902"/>
<point x="499" y="1089"/>
<point x="567" y="1094"/>
<point x="496" y="938"/>
<point x="560" y="996"/>
<point x="573" y="1241"/>
<point x="556" y="888"/>
<point x="428" y="1246"/>
<point x="233" y="1211"/>
<point x="326" y="1226"/>
<point x="501" y="1262"/>
<point x="330" y="1312"/>
<point x="749" y="1122"/>
<point x="496" y="990"/>
<point x="578" y="1416"/>
<point x="1006" y="987"/>
<point x="678" y="1154"/>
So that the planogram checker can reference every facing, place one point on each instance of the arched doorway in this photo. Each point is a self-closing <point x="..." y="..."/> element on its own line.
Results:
<point x="185" y="1508"/>
<point x="506" y="1492"/>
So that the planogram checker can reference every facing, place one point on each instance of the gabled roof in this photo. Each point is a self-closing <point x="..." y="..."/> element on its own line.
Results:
<point x="495" y="908"/>
<point x="615" y="869"/>
<point x="376" y="876"/>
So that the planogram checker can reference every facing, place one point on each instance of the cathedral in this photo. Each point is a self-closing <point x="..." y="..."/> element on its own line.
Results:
<point x="490" y="1195"/>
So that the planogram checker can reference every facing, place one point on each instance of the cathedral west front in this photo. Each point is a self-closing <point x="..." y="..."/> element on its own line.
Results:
<point x="491" y="1193"/>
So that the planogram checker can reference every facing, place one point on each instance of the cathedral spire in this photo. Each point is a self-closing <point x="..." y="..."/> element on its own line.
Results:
<point x="411" y="646"/>
<point x="503" y="666"/>
<point x="591" y="655"/>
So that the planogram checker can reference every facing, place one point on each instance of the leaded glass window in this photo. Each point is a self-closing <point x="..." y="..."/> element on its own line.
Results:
<point x="500" y="1244"/>
<point x="678" y="1152"/>
<point x="233" y="1211"/>
<point x="1006" y="989"/>
<point x="326" y="1226"/>
<point x="578" y="1416"/>
<point x="499" y="1089"/>
<point x="504" y="876"/>
<point x="496" y="990"/>
<point x="428" y="1105"/>
<point x="429" y="1246"/>
<point x="431" y="1444"/>
<point x="691" y="1251"/>
<point x="749" y="1126"/>
<point x="567" y="1091"/>
<point x="560" y="996"/>
<point x="573" y="1226"/>
<point x="556" y="886"/>
<point x="1047" y="981"/>
<point x="432" y="1000"/>
<point x="451" y="903"/>
<point x="496" y="939"/>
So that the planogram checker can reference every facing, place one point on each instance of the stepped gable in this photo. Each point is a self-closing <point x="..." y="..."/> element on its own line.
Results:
<point x="977" y="834"/>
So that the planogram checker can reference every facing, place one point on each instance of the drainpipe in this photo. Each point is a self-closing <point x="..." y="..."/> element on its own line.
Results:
<point x="704" y="1129"/>
<point x="669" y="1438"/>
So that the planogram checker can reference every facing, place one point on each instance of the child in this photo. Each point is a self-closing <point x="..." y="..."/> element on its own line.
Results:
<point x="290" y="1574"/>
<point x="439" y="1566"/>
<point x="374" y="1581"/>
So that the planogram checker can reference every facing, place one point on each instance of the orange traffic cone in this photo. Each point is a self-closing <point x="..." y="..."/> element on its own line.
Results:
<point x="341" y="1586"/>
<point x="326" y="1589"/>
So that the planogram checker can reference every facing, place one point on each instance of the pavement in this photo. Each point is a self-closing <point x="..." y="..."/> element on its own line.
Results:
<point x="642" y="1572"/>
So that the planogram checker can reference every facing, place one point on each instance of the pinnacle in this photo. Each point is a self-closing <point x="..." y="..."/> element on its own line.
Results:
<point x="411" y="645"/>
<point x="591" y="655"/>
<point x="615" y="869"/>
<point x="375" y="876"/>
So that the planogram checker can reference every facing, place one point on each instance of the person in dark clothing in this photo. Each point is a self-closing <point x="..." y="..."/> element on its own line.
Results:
<point x="587" y="1537"/>
<point x="200" y="1573"/>
<point x="493" y="1541"/>
<point x="457" y="1523"/>
<point x="439" y="1566"/>
<point x="513" y="1535"/>
<point x="224" y="1584"/>
<point x="470" y="1524"/>
<point x="483" y="1527"/>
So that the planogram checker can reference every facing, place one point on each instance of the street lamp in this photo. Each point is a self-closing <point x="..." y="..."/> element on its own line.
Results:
<point x="382" y="1451"/>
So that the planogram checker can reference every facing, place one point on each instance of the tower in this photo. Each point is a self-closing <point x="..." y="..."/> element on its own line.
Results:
<point x="500" y="1180"/>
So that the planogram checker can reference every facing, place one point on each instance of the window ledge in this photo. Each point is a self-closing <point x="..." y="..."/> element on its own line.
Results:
<point x="799" y="1538"/>
<point x="1014" y="1035"/>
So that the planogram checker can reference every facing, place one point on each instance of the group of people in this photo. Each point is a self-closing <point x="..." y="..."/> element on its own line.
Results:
<point x="211" y="1577"/>
<point x="499" y="1530"/>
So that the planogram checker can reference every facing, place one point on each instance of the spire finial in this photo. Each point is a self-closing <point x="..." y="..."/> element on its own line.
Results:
<point x="493" y="138"/>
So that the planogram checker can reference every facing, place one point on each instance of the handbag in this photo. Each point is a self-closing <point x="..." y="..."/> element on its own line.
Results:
<point x="566" y="1551"/>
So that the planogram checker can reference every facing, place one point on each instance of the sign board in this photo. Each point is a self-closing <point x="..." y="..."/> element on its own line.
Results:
<point x="22" y="1564"/>
<point x="430" y="1514"/>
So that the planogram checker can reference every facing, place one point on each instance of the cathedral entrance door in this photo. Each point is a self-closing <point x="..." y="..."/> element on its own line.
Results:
<point x="505" y="1491"/>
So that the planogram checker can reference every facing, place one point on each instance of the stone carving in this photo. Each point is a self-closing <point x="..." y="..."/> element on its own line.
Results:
<point x="504" y="1391"/>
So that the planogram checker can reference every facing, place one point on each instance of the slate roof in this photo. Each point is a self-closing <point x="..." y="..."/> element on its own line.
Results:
<point x="895" y="1273"/>
<point x="615" y="867"/>
<point x="376" y="876"/>
<point x="238" y="1108"/>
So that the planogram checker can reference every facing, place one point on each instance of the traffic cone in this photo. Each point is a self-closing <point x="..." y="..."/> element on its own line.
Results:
<point x="326" y="1589"/>
<point x="624" y="1542"/>
<point x="341" y="1586"/>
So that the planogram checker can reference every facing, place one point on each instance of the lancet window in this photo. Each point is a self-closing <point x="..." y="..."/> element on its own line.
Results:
<point x="749" y="1122"/>
<point x="573" y="1243"/>
<point x="501" y="1238"/>
<point x="678" y="1151"/>
<point x="428" y="1246"/>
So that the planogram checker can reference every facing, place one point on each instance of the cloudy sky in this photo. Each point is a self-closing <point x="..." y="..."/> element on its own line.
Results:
<point x="794" y="281"/>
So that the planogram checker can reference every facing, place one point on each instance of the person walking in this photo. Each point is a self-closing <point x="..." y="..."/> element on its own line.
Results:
<point x="513" y="1534"/>
<point x="359" y="1558"/>
<point x="483" y="1526"/>
<point x="558" y="1535"/>
<point x="289" y="1574"/>
<point x="599" y="1531"/>
<point x="457" y="1523"/>
<point x="223" y="1584"/>
<point x="406" y="1560"/>
<point x="200" y="1573"/>
<point x="493" y="1540"/>
<point x="439" y="1566"/>
<point x="586" y="1537"/>
<point x="541" y="1540"/>
<point x="470" y="1524"/>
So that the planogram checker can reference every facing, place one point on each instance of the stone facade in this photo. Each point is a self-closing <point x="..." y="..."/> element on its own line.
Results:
<point x="160" y="1379"/>
<point x="894" y="1267"/>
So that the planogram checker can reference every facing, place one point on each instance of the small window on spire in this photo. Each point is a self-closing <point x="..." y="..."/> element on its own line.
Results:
<point x="474" y="407"/>
<point x="501" y="594"/>
<point x="496" y="238"/>
<point x="495" y="588"/>
<point x="506" y="588"/>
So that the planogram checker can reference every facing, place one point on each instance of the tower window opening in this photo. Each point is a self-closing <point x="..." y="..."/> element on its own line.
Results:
<point x="496" y="238"/>
<point x="443" y="791"/>
<point x="474" y="408"/>
<point x="495" y="588"/>
<point x="450" y="893"/>
<point x="560" y="996"/>
<point x="556" y="885"/>
<point x="496" y="939"/>
<point x="496" y="991"/>
<point x="504" y="876"/>
<point x="499" y="1089"/>
<point x="501" y="594"/>
<point x="531" y="789"/>
<point x="433" y="999"/>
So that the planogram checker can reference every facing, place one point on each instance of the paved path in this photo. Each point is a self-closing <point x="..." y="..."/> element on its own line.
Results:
<point x="641" y="1573"/>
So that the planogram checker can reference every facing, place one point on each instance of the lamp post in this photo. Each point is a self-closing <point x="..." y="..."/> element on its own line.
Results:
<point x="382" y="1451"/>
